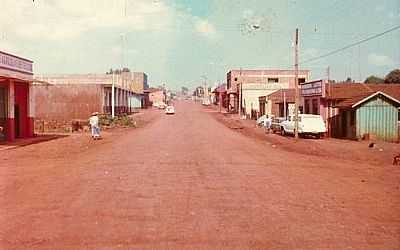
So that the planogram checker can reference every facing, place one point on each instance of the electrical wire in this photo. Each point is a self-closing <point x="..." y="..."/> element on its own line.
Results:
<point x="351" y="45"/>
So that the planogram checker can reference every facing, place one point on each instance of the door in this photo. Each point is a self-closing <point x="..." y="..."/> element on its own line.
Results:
<point x="3" y="113"/>
<point x="17" y="120"/>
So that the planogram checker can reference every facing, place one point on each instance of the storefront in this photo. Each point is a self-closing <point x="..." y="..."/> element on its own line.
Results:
<point x="16" y="104"/>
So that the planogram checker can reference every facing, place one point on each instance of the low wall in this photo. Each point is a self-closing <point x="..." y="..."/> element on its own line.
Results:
<point x="57" y="106"/>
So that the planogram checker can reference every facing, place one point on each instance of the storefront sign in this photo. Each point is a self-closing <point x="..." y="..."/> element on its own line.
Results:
<point x="264" y="86"/>
<point x="15" y="63"/>
<point x="313" y="88"/>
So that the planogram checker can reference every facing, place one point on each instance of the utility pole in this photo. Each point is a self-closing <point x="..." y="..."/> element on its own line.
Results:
<point x="296" y="82"/>
<point x="113" y="96"/>
<point x="240" y="94"/>
<point x="328" y="73"/>
<point x="284" y="105"/>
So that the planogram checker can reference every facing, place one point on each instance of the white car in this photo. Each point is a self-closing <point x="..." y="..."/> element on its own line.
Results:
<point x="308" y="125"/>
<point x="170" y="110"/>
<point x="206" y="102"/>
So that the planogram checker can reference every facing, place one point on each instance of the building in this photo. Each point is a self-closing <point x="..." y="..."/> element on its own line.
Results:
<point x="139" y="82"/>
<point x="156" y="95"/>
<point x="355" y="110"/>
<point x="220" y="97"/>
<point x="16" y="102"/>
<point x="280" y="103"/>
<point x="76" y="96"/>
<point x="249" y="85"/>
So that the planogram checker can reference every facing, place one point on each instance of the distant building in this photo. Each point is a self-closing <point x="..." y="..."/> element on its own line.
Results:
<point x="156" y="95"/>
<point x="220" y="97"/>
<point x="279" y="104"/>
<point x="249" y="85"/>
<point x="139" y="82"/>
<point x="16" y="102"/>
<point x="355" y="110"/>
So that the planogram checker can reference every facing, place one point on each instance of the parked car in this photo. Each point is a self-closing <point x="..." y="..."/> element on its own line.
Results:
<point x="206" y="102"/>
<point x="162" y="105"/>
<point x="276" y="124"/>
<point x="170" y="110"/>
<point x="308" y="125"/>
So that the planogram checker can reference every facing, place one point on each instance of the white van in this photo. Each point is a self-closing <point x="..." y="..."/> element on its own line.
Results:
<point x="308" y="125"/>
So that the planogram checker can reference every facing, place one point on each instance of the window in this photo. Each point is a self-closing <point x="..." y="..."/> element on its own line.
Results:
<point x="315" y="107"/>
<point x="302" y="80"/>
<point x="306" y="106"/>
<point x="273" y="80"/>
<point x="236" y="79"/>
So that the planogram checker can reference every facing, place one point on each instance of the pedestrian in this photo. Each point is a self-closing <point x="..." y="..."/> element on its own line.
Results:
<point x="268" y="122"/>
<point x="94" y="125"/>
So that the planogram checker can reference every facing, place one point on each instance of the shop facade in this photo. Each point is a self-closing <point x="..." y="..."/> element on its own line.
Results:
<point x="16" y="103"/>
<point x="355" y="110"/>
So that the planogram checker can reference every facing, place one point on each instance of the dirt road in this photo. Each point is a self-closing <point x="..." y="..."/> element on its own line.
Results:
<point x="188" y="182"/>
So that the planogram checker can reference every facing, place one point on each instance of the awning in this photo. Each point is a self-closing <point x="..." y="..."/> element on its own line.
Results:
<point x="23" y="79"/>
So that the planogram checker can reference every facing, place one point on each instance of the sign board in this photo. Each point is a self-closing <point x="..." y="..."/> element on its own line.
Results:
<point x="264" y="86"/>
<point x="291" y="109"/>
<point x="14" y="63"/>
<point x="316" y="88"/>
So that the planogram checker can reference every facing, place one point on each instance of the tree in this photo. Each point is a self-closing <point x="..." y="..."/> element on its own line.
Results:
<point x="374" y="79"/>
<point x="393" y="76"/>
<point x="349" y="80"/>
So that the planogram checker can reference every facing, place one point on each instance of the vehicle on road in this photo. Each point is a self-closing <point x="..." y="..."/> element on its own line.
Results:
<point x="160" y="105"/>
<point x="170" y="110"/>
<point x="276" y="124"/>
<point x="206" y="102"/>
<point x="308" y="125"/>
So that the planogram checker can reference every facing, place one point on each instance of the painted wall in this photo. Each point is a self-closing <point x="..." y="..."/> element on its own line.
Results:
<point x="157" y="97"/>
<point x="67" y="102"/>
<point x="135" y="101"/>
<point x="379" y="117"/>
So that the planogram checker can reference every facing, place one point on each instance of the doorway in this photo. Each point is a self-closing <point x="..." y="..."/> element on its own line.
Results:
<point x="17" y="121"/>
<point x="3" y="113"/>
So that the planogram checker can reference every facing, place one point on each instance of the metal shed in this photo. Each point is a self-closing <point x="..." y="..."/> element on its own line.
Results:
<point x="378" y="115"/>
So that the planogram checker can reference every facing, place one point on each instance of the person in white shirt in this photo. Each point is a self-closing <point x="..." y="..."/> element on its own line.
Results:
<point x="94" y="125"/>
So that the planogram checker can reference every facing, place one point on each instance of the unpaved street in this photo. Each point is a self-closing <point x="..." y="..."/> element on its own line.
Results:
<point x="188" y="182"/>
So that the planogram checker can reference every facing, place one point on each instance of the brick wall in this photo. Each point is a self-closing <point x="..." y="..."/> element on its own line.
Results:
<point x="57" y="106"/>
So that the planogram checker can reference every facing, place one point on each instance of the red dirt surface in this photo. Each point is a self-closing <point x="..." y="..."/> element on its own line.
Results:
<point x="381" y="154"/>
<point x="189" y="182"/>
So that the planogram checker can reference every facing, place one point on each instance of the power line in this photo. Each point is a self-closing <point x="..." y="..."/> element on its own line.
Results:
<point x="351" y="45"/>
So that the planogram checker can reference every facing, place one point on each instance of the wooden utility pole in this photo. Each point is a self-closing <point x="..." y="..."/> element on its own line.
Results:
<point x="240" y="94"/>
<point x="296" y="82"/>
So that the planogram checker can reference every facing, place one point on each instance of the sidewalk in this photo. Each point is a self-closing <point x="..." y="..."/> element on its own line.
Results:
<point x="29" y="141"/>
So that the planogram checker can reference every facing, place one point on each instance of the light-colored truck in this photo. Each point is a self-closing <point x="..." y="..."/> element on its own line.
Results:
<point x="308" y="125"/>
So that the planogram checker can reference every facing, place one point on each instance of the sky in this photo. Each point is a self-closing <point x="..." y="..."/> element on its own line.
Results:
<point x="179" y="42"/>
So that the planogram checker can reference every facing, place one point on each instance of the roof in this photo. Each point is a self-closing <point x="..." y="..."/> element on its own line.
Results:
<point x="350" y="95"/>
<point x="152" y="90"/>
<point x="21" y="58"/>
<point x="268" y="71"/>
<point x="220" y="89"/>
<point x="278" y="96"/>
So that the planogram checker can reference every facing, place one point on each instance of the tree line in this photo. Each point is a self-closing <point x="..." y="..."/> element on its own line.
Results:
<point x="392" y="77"/>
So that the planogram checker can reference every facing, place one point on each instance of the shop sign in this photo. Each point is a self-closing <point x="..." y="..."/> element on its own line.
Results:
<point x="15" y="63"/>
<point x="316" y="88"/>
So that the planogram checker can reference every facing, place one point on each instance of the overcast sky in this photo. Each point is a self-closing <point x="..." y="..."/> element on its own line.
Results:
<point x="176" y="42"/>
